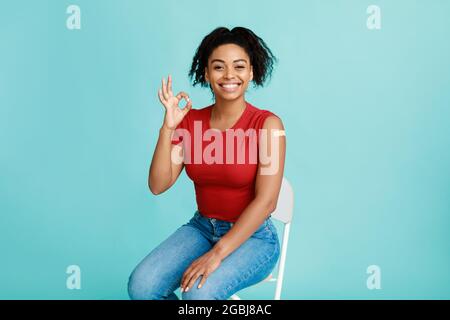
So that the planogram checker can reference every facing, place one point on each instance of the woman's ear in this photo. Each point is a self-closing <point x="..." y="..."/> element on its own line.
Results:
<point x="251" y="73"/>
<point x="206" y="74"/>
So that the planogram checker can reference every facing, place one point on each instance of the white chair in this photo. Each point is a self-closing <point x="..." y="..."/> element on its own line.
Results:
<point x="283" y="213"/>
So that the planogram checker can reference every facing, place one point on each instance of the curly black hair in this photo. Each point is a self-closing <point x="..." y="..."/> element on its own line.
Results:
<point x="261" y="58"/>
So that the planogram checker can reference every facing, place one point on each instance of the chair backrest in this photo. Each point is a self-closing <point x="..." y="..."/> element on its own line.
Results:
<point x="283" y="212"/>
<point x="285" y="204"/>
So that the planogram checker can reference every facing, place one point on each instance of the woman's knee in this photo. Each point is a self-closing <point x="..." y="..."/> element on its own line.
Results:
<point x="136" y="290"/>
<point x="142" y="286"/>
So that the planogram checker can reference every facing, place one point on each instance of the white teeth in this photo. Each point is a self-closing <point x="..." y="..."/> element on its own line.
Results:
<point x="229" y="85"/>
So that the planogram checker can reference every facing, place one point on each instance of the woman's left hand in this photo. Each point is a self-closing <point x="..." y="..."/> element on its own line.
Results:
<point x="203" y="266"/>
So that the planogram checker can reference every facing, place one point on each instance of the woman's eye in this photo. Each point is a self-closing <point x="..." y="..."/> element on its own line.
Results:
<point x="219" y="67"/>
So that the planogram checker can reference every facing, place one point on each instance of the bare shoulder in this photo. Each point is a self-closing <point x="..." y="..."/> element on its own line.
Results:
<point x="273" y="122"/>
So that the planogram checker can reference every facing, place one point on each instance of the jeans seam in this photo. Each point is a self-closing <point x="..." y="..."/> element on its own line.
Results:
<point x="267" y="225"/>
<point x="252" y="272"/>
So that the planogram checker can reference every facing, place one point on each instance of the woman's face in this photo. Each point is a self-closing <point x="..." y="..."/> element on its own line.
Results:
<point x="229" y="71"/>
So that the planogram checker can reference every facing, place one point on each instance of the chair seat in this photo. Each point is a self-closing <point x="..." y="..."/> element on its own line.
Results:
<point x="270" y="278"/>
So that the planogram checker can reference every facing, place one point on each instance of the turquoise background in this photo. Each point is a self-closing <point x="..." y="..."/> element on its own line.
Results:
<point x="367" y="116"/>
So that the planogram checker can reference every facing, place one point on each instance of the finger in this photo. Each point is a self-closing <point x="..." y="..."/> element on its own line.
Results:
<point x="184" y="280"/>
<point x="187" y="280"/>
<point x="187" y="108"/>
<point x="183" y="94"/>
<point x="182" y="283"/>
<point x="194" y="278"/>
<point x="164" y="89"/>
<point x="160" y="95"/>
<point x="169" y="85"/>
<point x="204" y="277"/>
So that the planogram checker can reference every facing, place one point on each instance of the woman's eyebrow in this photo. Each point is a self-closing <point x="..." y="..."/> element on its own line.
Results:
<point x="219" y="60"/>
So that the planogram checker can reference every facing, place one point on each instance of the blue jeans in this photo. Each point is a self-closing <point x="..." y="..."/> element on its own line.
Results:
<point x="159" y="274"/>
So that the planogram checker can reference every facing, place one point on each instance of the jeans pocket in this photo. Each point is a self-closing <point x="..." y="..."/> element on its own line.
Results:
<point x="194" y="219"/>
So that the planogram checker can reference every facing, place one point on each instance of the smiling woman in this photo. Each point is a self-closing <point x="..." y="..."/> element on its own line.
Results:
<point x="230" y="243"/>
<point x="253" y="58"/>
<point x="228" y="74"/>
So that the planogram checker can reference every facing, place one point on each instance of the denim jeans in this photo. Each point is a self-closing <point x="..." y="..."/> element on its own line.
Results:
<point x="159" y="274"/>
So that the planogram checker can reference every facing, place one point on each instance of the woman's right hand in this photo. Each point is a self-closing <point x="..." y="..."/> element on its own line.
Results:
<point x="174" y="114"/>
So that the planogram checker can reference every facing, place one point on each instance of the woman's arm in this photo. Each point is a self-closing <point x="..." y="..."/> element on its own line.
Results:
<point x="163" y="171"/>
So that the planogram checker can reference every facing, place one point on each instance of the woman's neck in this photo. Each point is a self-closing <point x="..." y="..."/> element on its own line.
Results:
<point x="226" y="110"/>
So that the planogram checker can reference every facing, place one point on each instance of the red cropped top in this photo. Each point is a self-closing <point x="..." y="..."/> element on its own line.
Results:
<point x="222" y="164"/>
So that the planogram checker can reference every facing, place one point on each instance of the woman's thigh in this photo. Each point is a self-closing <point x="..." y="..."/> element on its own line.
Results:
<point x="249" y="264"/>
<point x="160" y="272"/>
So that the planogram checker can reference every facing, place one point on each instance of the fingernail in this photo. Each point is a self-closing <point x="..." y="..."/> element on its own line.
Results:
<point x="187" y="289"/>
<point x="199" y="286"/>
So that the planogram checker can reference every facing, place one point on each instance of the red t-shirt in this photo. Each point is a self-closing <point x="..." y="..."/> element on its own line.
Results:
<point x="222" y="164"/>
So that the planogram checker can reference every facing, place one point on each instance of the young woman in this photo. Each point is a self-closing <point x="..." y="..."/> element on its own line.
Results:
<point x="234" y="153"/>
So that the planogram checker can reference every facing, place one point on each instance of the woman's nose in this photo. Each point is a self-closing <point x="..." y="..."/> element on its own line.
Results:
<point x="229" y="74"/>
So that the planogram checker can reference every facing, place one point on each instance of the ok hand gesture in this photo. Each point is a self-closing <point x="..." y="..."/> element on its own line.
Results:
<point x="174" y="114"/>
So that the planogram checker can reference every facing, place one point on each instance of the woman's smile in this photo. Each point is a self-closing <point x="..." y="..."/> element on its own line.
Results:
<point x="230" y="87"/>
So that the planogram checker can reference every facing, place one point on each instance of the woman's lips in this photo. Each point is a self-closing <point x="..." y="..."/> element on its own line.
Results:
<point x="230" y="87"/>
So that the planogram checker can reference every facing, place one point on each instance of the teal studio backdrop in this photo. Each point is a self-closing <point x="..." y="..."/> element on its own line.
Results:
<point x="367" y="117"/>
